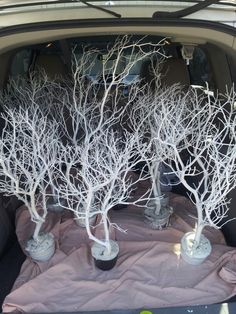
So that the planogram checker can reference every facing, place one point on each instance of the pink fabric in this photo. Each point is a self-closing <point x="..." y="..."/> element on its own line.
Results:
<point x="149" y="271"/>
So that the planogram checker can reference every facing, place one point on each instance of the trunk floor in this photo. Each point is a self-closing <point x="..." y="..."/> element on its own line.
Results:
<point x="11" y="263"/>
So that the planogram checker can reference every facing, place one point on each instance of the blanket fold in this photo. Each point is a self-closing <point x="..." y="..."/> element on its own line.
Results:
<point x="149" y="271"/>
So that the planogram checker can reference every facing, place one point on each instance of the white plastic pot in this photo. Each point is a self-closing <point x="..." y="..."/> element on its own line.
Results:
<point x="43" y="249"/>
<point x="160" y="221"/>
<point x="195" y="255"/>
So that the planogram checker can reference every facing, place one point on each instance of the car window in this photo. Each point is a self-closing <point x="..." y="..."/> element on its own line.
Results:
<point x="24" y="59"/>
<point x="199" y="69"/>
<point x="21" y="63"/>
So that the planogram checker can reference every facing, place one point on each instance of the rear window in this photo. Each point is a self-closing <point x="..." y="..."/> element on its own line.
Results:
<point x="199" y="69"/>
<point x="25" y="59"/>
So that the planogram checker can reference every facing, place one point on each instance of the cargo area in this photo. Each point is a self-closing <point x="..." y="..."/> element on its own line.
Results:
<point x="149" y="273"/>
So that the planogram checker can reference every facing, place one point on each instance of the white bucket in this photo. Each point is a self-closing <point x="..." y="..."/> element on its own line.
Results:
<point x="198" y="255"/>
<point x="43" y="250"/>
<point x="158" y="221"/>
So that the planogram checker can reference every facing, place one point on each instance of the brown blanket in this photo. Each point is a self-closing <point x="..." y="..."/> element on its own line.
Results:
<point x="149" y="272"/>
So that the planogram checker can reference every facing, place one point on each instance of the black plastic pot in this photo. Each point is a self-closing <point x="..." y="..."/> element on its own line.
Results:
<point x="105" y="265"/>
<point x="102" y="261"/>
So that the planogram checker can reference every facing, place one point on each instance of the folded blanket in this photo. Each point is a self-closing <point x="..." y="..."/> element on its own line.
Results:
<point x="149" y="271"/>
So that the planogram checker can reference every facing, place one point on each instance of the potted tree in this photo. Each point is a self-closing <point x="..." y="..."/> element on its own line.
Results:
<point x="92" y="102"/>
<point x="49" y="95"/>
<point x="211" y="162"/>
<point x="95" y="110"/>
<point x="149" y="117"/>
<point x="28" y="148"/>
<point x="103" y="181"/>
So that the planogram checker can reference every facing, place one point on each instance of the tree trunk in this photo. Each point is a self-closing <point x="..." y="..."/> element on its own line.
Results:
<point x="107" y="234"/>
<point x="198" y="233"/>
<point x="54" y="194"/>
<point x="37" y="230"/>
<point x="155" y="174"/>
<point x="37" y="219"/>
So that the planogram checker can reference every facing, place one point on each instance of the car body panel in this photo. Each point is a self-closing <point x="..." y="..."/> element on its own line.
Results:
<point x="127" y="9"/>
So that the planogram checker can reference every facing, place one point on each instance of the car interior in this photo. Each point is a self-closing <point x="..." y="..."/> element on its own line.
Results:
<point x="209" y="63"/>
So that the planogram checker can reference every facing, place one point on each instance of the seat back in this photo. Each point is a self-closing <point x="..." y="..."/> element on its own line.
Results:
<point x="174" y="71"/>
<point x="53" y="66"/>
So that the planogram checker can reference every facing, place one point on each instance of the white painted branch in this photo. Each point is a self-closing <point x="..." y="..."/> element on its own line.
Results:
<point x="211" y="159"/>
<point x="28" y="153"/>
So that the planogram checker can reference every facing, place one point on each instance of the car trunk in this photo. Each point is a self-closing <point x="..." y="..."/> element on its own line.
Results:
<point x="32" y="41"/>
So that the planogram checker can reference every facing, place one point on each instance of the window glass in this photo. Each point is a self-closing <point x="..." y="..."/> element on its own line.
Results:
<point x="99" y="48"/>
<point x="199" y="69"/>
<point x="20" y="63"/>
